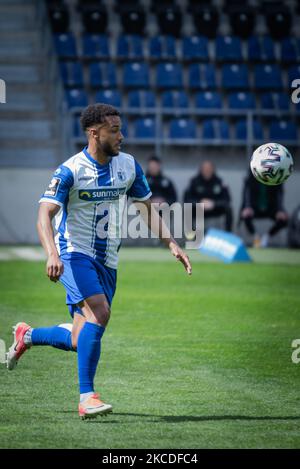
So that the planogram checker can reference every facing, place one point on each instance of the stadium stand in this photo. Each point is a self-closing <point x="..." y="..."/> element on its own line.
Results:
<point x="228" y="63"/>
<point x="208" y="79"/>
<point x="153" y="61"/>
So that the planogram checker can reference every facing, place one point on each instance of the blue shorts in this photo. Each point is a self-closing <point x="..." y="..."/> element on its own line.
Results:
<point x="83" y="277"/>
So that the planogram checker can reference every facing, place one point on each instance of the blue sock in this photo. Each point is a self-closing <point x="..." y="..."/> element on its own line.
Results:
<point x="88" y="351"/>
<point x="58" y="337"/>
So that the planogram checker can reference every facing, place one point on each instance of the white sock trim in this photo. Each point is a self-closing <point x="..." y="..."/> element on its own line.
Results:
<point x="67" y="326"/>
<point x="27" y="337"/>
<point x="86" y="395"/>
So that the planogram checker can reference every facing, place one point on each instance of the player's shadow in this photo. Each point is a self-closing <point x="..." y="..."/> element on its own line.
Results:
<point x="194" y="418"/>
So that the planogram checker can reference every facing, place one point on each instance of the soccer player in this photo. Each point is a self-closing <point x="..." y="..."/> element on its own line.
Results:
<point x="84" y="196"/>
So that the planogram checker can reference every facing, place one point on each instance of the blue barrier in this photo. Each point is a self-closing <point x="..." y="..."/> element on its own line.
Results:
<point x="226" y="246"/>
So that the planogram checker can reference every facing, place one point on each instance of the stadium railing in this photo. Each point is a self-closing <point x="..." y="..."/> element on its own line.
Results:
<point x="162" y="114"/>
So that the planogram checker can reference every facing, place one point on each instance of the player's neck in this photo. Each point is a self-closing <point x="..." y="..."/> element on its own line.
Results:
<point x="98" y="155"/>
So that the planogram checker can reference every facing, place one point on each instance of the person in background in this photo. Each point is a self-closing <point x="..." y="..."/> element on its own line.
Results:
<point x="161" y="186"/>
<point x="261" y="201"/>
<point x="208" y="188"/>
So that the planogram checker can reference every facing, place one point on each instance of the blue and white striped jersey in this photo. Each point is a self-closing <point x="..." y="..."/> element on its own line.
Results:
<point x="92" y="199"/>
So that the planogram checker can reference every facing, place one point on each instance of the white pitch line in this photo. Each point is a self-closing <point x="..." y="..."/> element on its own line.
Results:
<point x="27" y="253"/>
<point x="5" y="256"/>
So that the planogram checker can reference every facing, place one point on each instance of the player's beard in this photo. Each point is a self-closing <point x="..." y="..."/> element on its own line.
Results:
<point x="108" y="150"/>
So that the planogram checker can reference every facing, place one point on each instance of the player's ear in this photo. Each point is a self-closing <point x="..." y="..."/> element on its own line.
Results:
<point x="92" y="132"/>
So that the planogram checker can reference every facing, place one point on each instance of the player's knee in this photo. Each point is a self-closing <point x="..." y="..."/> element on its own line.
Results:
<point x="101" y="314"/>
<point x="74" y="342"/>
<point x="105" y="314"/>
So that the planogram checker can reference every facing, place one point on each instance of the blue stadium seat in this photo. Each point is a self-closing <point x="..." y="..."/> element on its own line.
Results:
<point x="215" y="129"/>
<point x="278" y="101"/>
<point x="76" y="128"/>
<point x="162" y="48"/>
<point x="296" y="107"/>
<point x="130" y="47"/>
<point x="202" y="76"/>
<point x="241" y="130"/>
<point x="195" y="48"/>
<point x="136" y="75"/>
<point x="282" y="130"/>
<point x="288" y="50"/>
<point x="293" y="73"/>
<point x="103" y="75"/>
<point x="235" y="76"/>
<point x="144" y="127"/>
<point x="65" y="45"/>
<point x="267" y="77"/>
<point x="182" y="128"/>
<point x="72" y="74"/>
<point x="141" y="98"/>
<point x="241" y="100"/>
<point x="124" y="128"/>
<point x="169" y="75"/>
<point x="112" y="97"/>
<point x="172" y="99"/>
<point x="76" y="98"/>
<point x="95" y="46"/>
<point x="261" y="49"/>
<point x="228" y="49"/>
<point x="208" y="100"/>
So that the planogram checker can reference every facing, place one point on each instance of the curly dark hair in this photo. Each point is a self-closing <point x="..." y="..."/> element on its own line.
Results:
<point x="96" y="114"/>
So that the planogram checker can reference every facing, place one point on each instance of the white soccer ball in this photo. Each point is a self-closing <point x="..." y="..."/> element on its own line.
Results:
<point x="271" y="164"/>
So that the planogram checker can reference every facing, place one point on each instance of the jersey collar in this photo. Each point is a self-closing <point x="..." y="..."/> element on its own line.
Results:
<point x="92" y="160"/>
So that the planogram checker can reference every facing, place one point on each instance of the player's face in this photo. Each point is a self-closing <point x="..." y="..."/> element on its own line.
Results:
<point x="110" y="136"/>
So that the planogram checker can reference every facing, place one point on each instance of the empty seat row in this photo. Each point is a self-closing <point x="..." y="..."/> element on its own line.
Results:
<point x="133" y="47"/>
<point x="209" y="129"/>
<point x="206" y="19"/>
<point x="179" y="99"/>
<point x="170" y="75"/>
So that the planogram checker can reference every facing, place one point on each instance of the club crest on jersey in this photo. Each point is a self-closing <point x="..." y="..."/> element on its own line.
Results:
<point x="53" y="187"/>
<point x="102" y="194"/>
<point x="121" y="175"/>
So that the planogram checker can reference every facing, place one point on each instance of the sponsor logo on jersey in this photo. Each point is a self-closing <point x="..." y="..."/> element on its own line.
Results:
<point x="87" y="178"/>
<point x="53" y="187"/>
<point x="102" y="194"/>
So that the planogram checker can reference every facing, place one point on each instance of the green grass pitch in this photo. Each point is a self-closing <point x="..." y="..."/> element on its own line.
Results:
<point x="187" y="362"/>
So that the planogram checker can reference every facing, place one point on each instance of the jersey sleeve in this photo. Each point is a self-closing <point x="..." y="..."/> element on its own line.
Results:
<point x="139" y="189"/>
<point x="59" y="187"/>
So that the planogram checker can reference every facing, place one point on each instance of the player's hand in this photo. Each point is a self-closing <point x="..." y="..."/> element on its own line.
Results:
<point x="208" y="204"/>
<point x="54" y="268"/>
<point x="181" y="256"/>
<point x="247" y="212"/>
<point x="280" y="215"/>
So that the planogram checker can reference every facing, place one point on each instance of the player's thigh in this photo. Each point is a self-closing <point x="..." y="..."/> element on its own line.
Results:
<point x="78" y="323"/>
<point x="96" y="309"/>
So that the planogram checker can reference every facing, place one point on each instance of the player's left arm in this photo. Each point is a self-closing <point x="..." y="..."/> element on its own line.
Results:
<point x="157" y="225"/>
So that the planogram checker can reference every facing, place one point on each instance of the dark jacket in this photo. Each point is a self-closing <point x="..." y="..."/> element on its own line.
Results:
<point x="161" y="186"/>
<point x="262" y="198"/>
<point x="213" y="189"/>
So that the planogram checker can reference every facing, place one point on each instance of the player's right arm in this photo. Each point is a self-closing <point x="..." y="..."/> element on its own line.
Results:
<point x="52" y="200"/>
<point x="54" y="266"/>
